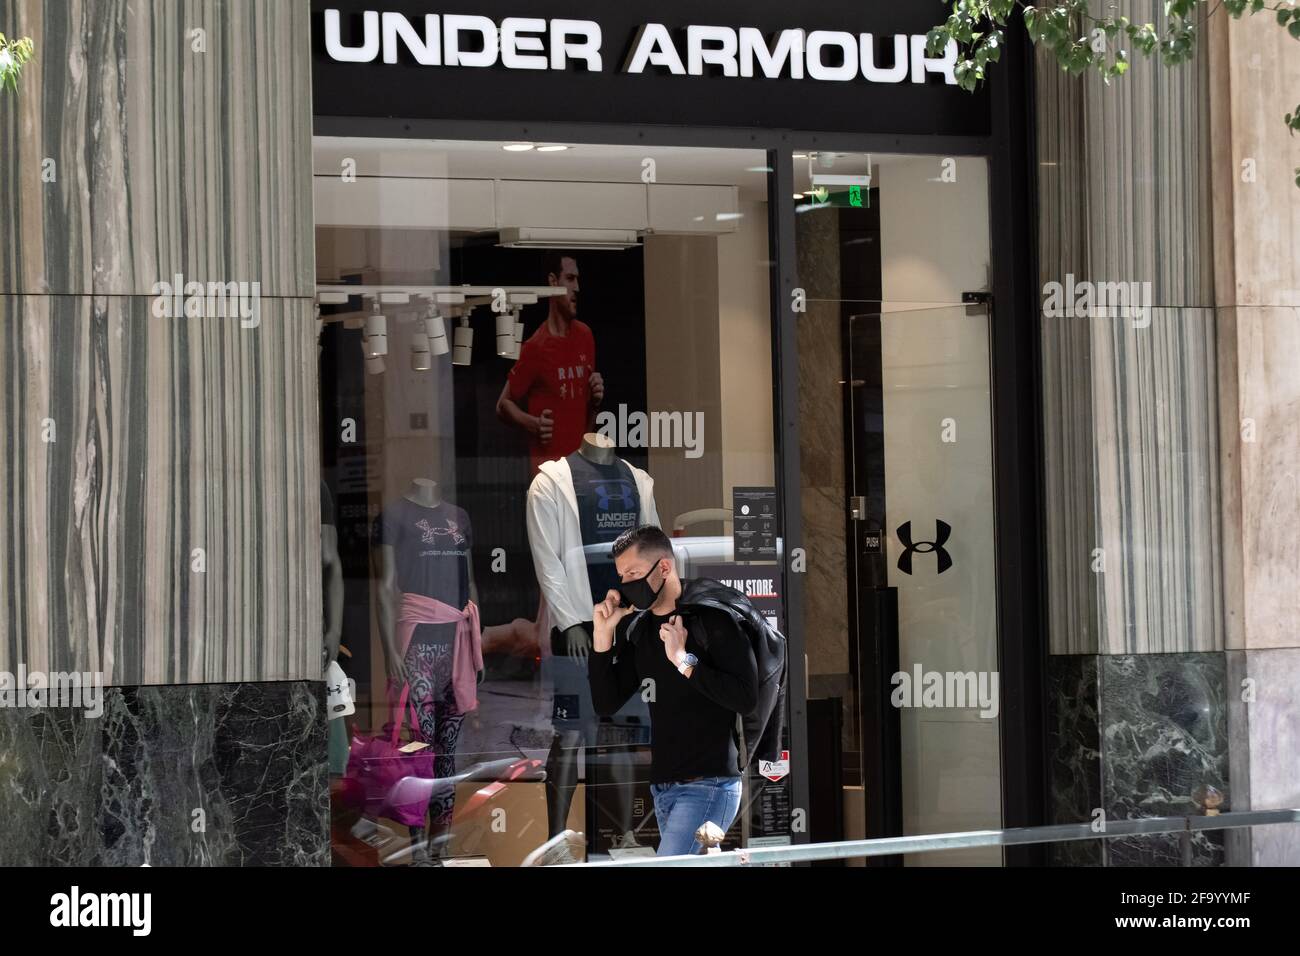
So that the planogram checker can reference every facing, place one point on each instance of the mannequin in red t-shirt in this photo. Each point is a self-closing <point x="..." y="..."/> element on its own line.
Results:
<point x="553" y="390"/>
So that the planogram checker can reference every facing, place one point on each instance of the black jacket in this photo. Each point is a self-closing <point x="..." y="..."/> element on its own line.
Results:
<point x="766" y="721"/>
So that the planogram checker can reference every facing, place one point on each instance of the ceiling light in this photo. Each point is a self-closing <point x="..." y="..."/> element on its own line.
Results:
<point x="463" y="339"/>
<point x="421" y="359"/>
<point x="505" y="334"/>
<point x="517" y="147"/>
<point x="376" y="336"/>
<point x="533" y="237"/>
<point x="798" y="195"/>
<point x="436" y="330"/>
<point x="553" y="148"/>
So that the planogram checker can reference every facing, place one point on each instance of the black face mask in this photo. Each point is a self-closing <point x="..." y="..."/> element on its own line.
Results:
<point x="638" y="593"/>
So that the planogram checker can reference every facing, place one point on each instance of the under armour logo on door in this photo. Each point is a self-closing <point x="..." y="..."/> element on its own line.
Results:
<point x="942" y="532"/>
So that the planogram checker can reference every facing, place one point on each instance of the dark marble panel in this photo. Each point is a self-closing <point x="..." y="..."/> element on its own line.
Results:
<point x="192" y="775"/>
<point x="50" y="772"/>
<point x="1074" y="756"/>
<point x="1164" y="734"/>
<point x="1135" y="735"/>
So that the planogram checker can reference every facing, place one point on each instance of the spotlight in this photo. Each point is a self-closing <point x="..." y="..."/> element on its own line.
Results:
<point x="463" y="341"/>
<point x="436" y="330"/>
<point x="421" y="359"/>
<point x="376" y="334"/>
<point x="505" y="334"/>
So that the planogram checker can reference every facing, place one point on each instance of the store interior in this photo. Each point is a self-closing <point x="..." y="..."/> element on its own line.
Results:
<point x="437" y="262"/>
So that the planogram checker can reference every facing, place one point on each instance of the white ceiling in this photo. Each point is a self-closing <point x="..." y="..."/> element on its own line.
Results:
<point x="468" y="159"/>
<point x="436" y="159"/>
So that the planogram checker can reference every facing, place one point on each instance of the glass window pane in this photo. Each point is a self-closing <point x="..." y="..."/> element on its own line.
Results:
<point x="898" y="493"/>
<point x="528" y="349"/>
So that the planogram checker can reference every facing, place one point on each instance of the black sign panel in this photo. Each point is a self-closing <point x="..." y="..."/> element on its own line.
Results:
<point x="753" y="523"/>
<point x="837" y="65"/>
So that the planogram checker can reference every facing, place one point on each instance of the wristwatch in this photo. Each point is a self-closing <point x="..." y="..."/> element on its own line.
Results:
<point x="686" y="659"/>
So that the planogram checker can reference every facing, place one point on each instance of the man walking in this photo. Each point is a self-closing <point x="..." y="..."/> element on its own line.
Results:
<point x="697" y="671"/>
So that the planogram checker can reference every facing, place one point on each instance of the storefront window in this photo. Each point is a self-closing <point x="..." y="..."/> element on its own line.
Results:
<point x="526" y="350"/>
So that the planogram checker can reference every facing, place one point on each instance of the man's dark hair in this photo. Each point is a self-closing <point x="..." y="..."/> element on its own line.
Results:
<point x="553" y="263"/>
<point x="649" y="541"/>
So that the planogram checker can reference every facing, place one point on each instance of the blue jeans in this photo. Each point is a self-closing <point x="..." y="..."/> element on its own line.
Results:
<point x="682" y="808"/>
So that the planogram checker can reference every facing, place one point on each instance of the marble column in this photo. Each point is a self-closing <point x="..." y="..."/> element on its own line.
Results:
<point x="1136" y="595"/>
<point x="159" y="470"/>
<point x="821" y="456"/>
<point x="1254" y="75"/>
<point x="160" y="487"/>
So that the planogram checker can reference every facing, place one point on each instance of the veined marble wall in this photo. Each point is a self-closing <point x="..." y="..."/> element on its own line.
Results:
<point x="166" y="159"/>
<point x="821" y="462"/>
<point x="169" y="437"/>
<point x="1134" y="493"/>
<point x="1254" y="75"/>
<point x="199" y="775"/>
<point x="154" y="138"/>
<point x="1135" y="735"/>
<point x="1130" y="412"/>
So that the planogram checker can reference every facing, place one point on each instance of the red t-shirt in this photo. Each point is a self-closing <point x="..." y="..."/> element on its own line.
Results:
<point x="552" y="372"/>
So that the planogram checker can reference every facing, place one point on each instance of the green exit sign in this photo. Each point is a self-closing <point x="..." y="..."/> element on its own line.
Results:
<point x="854" y="197"/>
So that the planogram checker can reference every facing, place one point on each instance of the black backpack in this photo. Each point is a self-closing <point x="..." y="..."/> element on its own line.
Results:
<point x="759" y="732"/>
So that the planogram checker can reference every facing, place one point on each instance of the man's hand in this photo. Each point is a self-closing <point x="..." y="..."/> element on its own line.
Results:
<point x="542" y="426"/>
<point x="604" y="618"/>
<point x="596" y="385"/>
<point x="673" y="634"/>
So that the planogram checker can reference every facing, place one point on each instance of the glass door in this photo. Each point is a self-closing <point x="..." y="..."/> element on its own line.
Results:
<point x="893" y="260"/>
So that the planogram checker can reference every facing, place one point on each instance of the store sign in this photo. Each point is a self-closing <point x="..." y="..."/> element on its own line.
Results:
<point x="535" y="43"/>
<point x="852" y="65"/>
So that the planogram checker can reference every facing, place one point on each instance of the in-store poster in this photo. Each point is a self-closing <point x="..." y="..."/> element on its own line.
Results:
<point x="767" y="801"/>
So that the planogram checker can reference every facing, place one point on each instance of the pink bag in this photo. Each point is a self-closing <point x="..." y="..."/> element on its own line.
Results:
<point x="379" y="766"/>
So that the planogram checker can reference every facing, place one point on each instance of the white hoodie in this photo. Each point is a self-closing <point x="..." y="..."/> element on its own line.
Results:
<point x="555" y="538"/>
